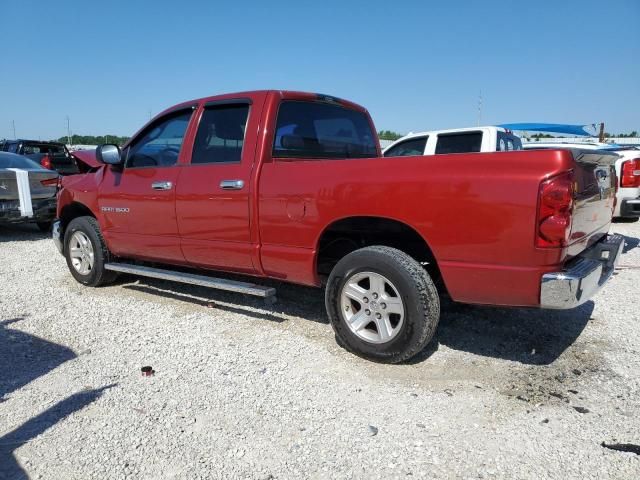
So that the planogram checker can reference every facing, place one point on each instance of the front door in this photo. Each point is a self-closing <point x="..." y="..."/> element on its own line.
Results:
<point x="214" y="188"/>
<point x="138" y="203"/>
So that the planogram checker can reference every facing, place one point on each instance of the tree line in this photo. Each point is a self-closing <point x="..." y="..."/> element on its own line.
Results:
<point x="93" y="139"/>
<point x="633" y="134"/>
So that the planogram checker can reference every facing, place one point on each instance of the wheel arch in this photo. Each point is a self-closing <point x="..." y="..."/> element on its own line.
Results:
<point x="347" y="234"/>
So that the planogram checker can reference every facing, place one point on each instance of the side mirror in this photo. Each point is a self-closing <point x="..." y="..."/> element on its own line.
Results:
<point x="109" y="154"/>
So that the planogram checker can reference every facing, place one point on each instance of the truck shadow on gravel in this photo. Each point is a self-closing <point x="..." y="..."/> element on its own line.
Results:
<point x="9" y="466"/>
<point x="24" y="358"/>
<point x="293" y="300"/>
<point x="529" y="336"/>
<point x="526" y="335"/>
<point x="20" y="232"/>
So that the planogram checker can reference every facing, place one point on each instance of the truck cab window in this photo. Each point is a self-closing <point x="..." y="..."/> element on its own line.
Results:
<point x="413" y="146"/>
<point x="322" y="130"/>
<point x="220" y="135"/>
<point x="159" y="145"/>
<point x="508" y="142"/>
<point x="464" y="142"/>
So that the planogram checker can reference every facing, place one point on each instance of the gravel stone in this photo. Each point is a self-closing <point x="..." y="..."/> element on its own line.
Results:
<point x="245" y="390"/>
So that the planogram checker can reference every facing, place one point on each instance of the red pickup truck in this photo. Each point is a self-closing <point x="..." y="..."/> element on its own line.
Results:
<point x="292" y="186"/>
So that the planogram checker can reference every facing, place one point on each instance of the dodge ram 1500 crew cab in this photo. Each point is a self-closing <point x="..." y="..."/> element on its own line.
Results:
<point x="292" y="186"/>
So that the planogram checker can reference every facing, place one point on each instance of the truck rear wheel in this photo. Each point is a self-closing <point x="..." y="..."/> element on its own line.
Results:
<point x="86" y="252"/>
<point x="382" y="304"/>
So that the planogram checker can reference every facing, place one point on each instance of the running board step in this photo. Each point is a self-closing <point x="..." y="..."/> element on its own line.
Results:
<point x="193" y="279"/>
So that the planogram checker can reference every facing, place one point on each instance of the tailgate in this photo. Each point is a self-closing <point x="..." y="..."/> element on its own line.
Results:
<point x="595" y="186"/>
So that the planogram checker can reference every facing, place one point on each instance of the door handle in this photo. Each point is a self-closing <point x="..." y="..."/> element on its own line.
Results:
<point x="231" y="184"/>
<point x="162" y="185"/>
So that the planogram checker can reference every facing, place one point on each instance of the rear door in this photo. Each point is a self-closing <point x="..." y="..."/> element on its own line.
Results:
<point x="138" y="202"/>
<point x="213" y="199"/>
<point x="459" y="142"/>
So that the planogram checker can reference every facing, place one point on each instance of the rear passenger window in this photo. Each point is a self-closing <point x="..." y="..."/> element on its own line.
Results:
<point x="30" y="149"/>
<point x="459" y="142"/>
<point x="322" y="130"/>
<point x="413" y="146"/>
<point x="220" y="135"/>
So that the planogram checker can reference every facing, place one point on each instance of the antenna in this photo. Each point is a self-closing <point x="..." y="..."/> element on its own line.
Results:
<point x="13" y="124"/>
<point x="480" y="108"/>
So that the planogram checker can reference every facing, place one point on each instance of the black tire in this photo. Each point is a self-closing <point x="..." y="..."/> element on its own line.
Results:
<point x="44" y="227"/>
<point x="98" y="275"/>
<point x="416" y="289"/>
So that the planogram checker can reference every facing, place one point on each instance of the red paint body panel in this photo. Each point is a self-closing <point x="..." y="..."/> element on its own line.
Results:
<point x="477" y="212"/>
<point x="88" y="157"/>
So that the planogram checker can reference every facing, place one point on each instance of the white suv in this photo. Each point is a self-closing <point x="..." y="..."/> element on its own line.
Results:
<point x="458" y="140"/>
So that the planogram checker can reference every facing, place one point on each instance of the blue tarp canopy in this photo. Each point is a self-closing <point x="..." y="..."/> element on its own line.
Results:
<point x="578" y="130"/>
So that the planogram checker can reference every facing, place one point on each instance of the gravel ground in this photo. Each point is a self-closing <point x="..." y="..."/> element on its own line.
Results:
<point x="247" y="391"/>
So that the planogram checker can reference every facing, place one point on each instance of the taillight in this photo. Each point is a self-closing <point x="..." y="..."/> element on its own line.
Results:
<point x="46" y="162"/>
<point x="50" y="182"/>
<point x="630" y="173"/>
<point x="555" y="206"/>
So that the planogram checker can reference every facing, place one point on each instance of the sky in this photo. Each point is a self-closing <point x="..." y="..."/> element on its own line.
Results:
<point x="415" y="65"/>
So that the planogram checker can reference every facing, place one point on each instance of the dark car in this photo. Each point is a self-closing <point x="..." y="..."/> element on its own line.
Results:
<point x="50" y="155"/>
<point x="27" y="191"/>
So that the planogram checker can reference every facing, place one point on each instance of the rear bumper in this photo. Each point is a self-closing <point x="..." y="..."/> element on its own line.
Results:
<point x="43" y="211"/>
<point x="583" y="275"/>
<point x="630" y="207"/>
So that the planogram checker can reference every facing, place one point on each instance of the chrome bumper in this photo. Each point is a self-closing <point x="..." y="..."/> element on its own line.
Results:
<point x="630" y="208"/>
<point x="583" y="277"/>
<point x="56" y="235"/>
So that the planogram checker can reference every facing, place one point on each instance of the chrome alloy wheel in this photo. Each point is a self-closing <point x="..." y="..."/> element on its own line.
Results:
<point x="372" y="307"/>
<point x="81" y="253"/>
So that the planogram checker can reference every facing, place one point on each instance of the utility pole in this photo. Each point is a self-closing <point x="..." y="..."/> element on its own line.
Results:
<point x="13" y="124"/>
<point x="68" y="132"/>
<point x="601" y="136"/>
<point x="480" y="109"/>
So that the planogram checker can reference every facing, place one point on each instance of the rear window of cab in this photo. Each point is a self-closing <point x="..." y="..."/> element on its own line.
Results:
<point x="322" y="130"/>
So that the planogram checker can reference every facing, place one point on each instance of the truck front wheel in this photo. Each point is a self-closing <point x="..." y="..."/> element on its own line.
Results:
<point x="382" y="304"/>
<point x="86" y="252"/>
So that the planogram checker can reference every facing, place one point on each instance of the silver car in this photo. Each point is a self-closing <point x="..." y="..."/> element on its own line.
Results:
<point x="27" y="191"/>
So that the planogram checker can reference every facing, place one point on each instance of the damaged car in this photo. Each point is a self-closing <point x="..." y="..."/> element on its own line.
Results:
<point x="27" y="192"/>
